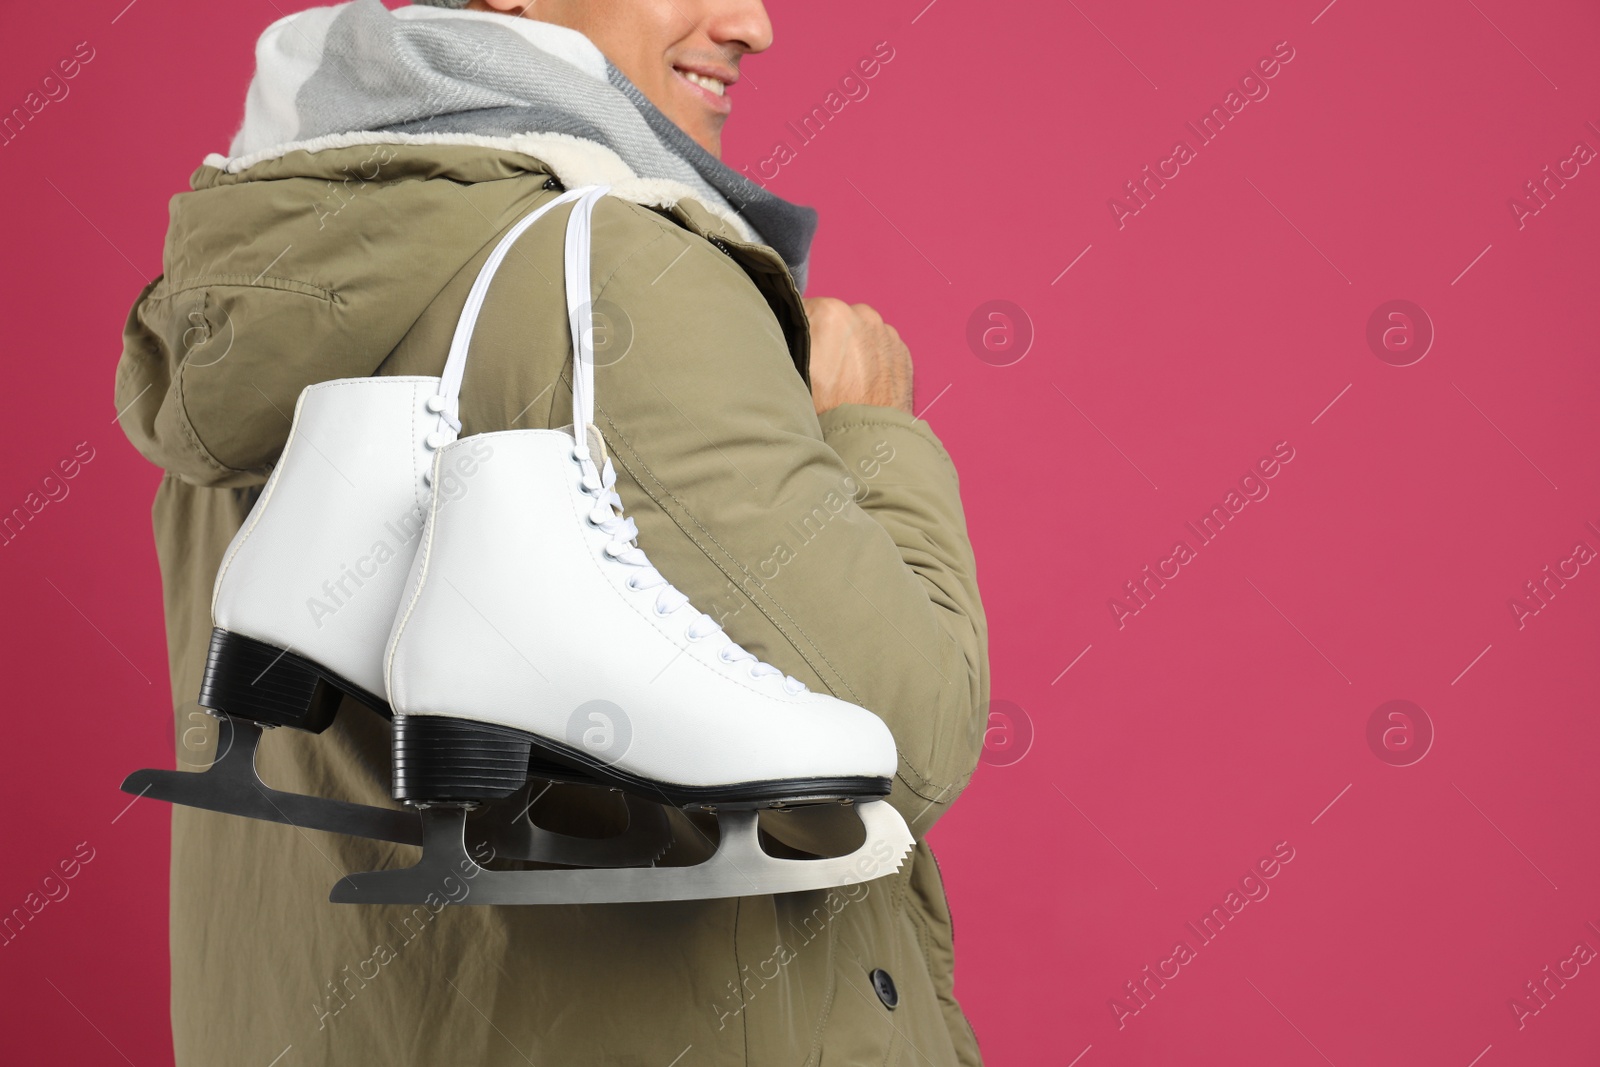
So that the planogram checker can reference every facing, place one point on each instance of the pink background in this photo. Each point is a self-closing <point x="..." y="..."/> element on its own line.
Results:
<point x="1168" y="755"/>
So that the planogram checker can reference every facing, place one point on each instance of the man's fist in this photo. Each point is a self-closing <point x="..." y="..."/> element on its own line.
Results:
<point x="856" y="357"/>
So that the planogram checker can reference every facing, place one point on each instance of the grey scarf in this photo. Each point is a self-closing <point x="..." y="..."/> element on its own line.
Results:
<point x="373" y="71"/>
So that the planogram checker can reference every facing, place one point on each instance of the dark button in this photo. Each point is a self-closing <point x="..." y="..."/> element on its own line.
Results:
<point x="884" y="985"/>
<point x="552" y="183"/>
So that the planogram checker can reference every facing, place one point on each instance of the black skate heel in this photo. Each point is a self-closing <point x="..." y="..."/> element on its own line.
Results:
<point x="443" y="760"/>
<point x="250" y="679"/>
<point x="252" y="686"/>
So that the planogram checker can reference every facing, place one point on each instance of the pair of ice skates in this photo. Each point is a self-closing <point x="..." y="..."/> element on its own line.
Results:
<point x="489" y="595"/>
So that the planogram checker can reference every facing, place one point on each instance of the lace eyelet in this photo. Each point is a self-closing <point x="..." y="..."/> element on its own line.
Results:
<point x="690" y="635"/>
<point x="435" y="404"/>
<point x="656" y="607"/>
<point x="633" y="586"/>
<point x="724" y="657"/>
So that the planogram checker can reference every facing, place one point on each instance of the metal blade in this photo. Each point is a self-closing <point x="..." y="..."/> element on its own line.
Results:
<point x="509" y="830"/>
<point x="739" y="868"/>
<point x="232" y="786"/>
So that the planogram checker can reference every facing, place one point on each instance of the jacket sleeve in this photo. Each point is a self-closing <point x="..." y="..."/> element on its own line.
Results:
<point x="918" y="504"/>
<point x="836" y="550"/>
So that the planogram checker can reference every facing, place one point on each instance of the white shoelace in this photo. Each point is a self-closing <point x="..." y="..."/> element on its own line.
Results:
<point x="598" y="482"/>
<point x="606" y="514"/>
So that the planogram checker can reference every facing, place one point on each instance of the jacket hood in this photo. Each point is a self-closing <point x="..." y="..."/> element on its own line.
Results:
<point x="315" y="265"/>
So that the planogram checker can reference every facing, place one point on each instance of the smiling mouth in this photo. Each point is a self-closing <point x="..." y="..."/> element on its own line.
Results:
<point x="709" y="84"/>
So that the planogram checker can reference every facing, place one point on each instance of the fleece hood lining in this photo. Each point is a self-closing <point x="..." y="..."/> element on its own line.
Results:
<point x="573" y="160"/>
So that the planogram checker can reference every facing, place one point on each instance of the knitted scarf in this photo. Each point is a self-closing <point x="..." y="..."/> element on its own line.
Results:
<point x="360" y="68"/>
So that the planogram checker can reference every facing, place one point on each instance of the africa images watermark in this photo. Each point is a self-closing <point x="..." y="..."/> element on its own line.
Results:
<point x="348" y="984"/>
<point x="1253" y="888"/>
<point x="53" y="89"/>
<point x="397" y="533"/>
<point x="811" y="927"/>
<point x="802" y="529"/>
<point x="1252" y="487"/>
<point x="1253" y="87"/>
<point x="53" y="889"/>
<point x="1539" y="192"/>
<point x="853" y="88"/>
<point x="1539" y="992"/>
<point x="342" y="195"/>
<point x="53" y="489"/>
<point x="1540" y="591"/>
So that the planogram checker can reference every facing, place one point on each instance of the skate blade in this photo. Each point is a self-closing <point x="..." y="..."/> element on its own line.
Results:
<point x="232" y="786"/>
<point x="509" y="831"/>
<point x="739" y="868"/>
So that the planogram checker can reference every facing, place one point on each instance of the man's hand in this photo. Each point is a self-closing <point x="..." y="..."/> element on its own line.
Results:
<point x="856" y="357"/>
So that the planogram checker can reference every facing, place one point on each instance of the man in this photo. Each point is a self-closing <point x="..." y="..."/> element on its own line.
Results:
<point x="382" y="155"/>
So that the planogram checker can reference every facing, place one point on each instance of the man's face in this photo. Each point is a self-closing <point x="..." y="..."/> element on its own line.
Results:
<point x="682" y="54"/>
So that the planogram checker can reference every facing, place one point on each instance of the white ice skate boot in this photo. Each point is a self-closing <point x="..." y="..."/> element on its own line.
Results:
<point x="306" y="597"/>
<point x="535" y="632"/>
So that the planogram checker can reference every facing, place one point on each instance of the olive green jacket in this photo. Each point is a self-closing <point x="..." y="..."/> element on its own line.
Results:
<point x="833" y="547"/>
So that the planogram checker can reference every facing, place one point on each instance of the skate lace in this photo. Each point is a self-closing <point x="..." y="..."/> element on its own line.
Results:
<point x="606" y="515"/>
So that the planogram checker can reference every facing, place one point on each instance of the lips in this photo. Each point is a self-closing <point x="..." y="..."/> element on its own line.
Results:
<point x="709" y="86"/>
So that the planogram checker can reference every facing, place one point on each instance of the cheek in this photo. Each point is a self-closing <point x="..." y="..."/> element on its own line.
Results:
<point x="637" y="37"/>
<point x="661" y="85"/>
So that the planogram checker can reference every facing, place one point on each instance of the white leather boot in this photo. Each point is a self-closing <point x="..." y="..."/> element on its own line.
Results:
<point x="537" y="627"/>
<point x="306" y="595"/>
<point x="535" y="631"/>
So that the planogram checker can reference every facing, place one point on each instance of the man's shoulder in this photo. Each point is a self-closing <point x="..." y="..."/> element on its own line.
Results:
<point x="681" y="240"/>
<point x="685" y="258"/>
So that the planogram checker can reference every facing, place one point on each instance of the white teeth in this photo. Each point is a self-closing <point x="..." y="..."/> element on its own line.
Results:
<point x="708" y="84"/>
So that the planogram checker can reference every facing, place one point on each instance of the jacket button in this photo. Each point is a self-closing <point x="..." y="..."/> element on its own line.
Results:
<point x="884" y="986"/>
<point x="552" y="183"/>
